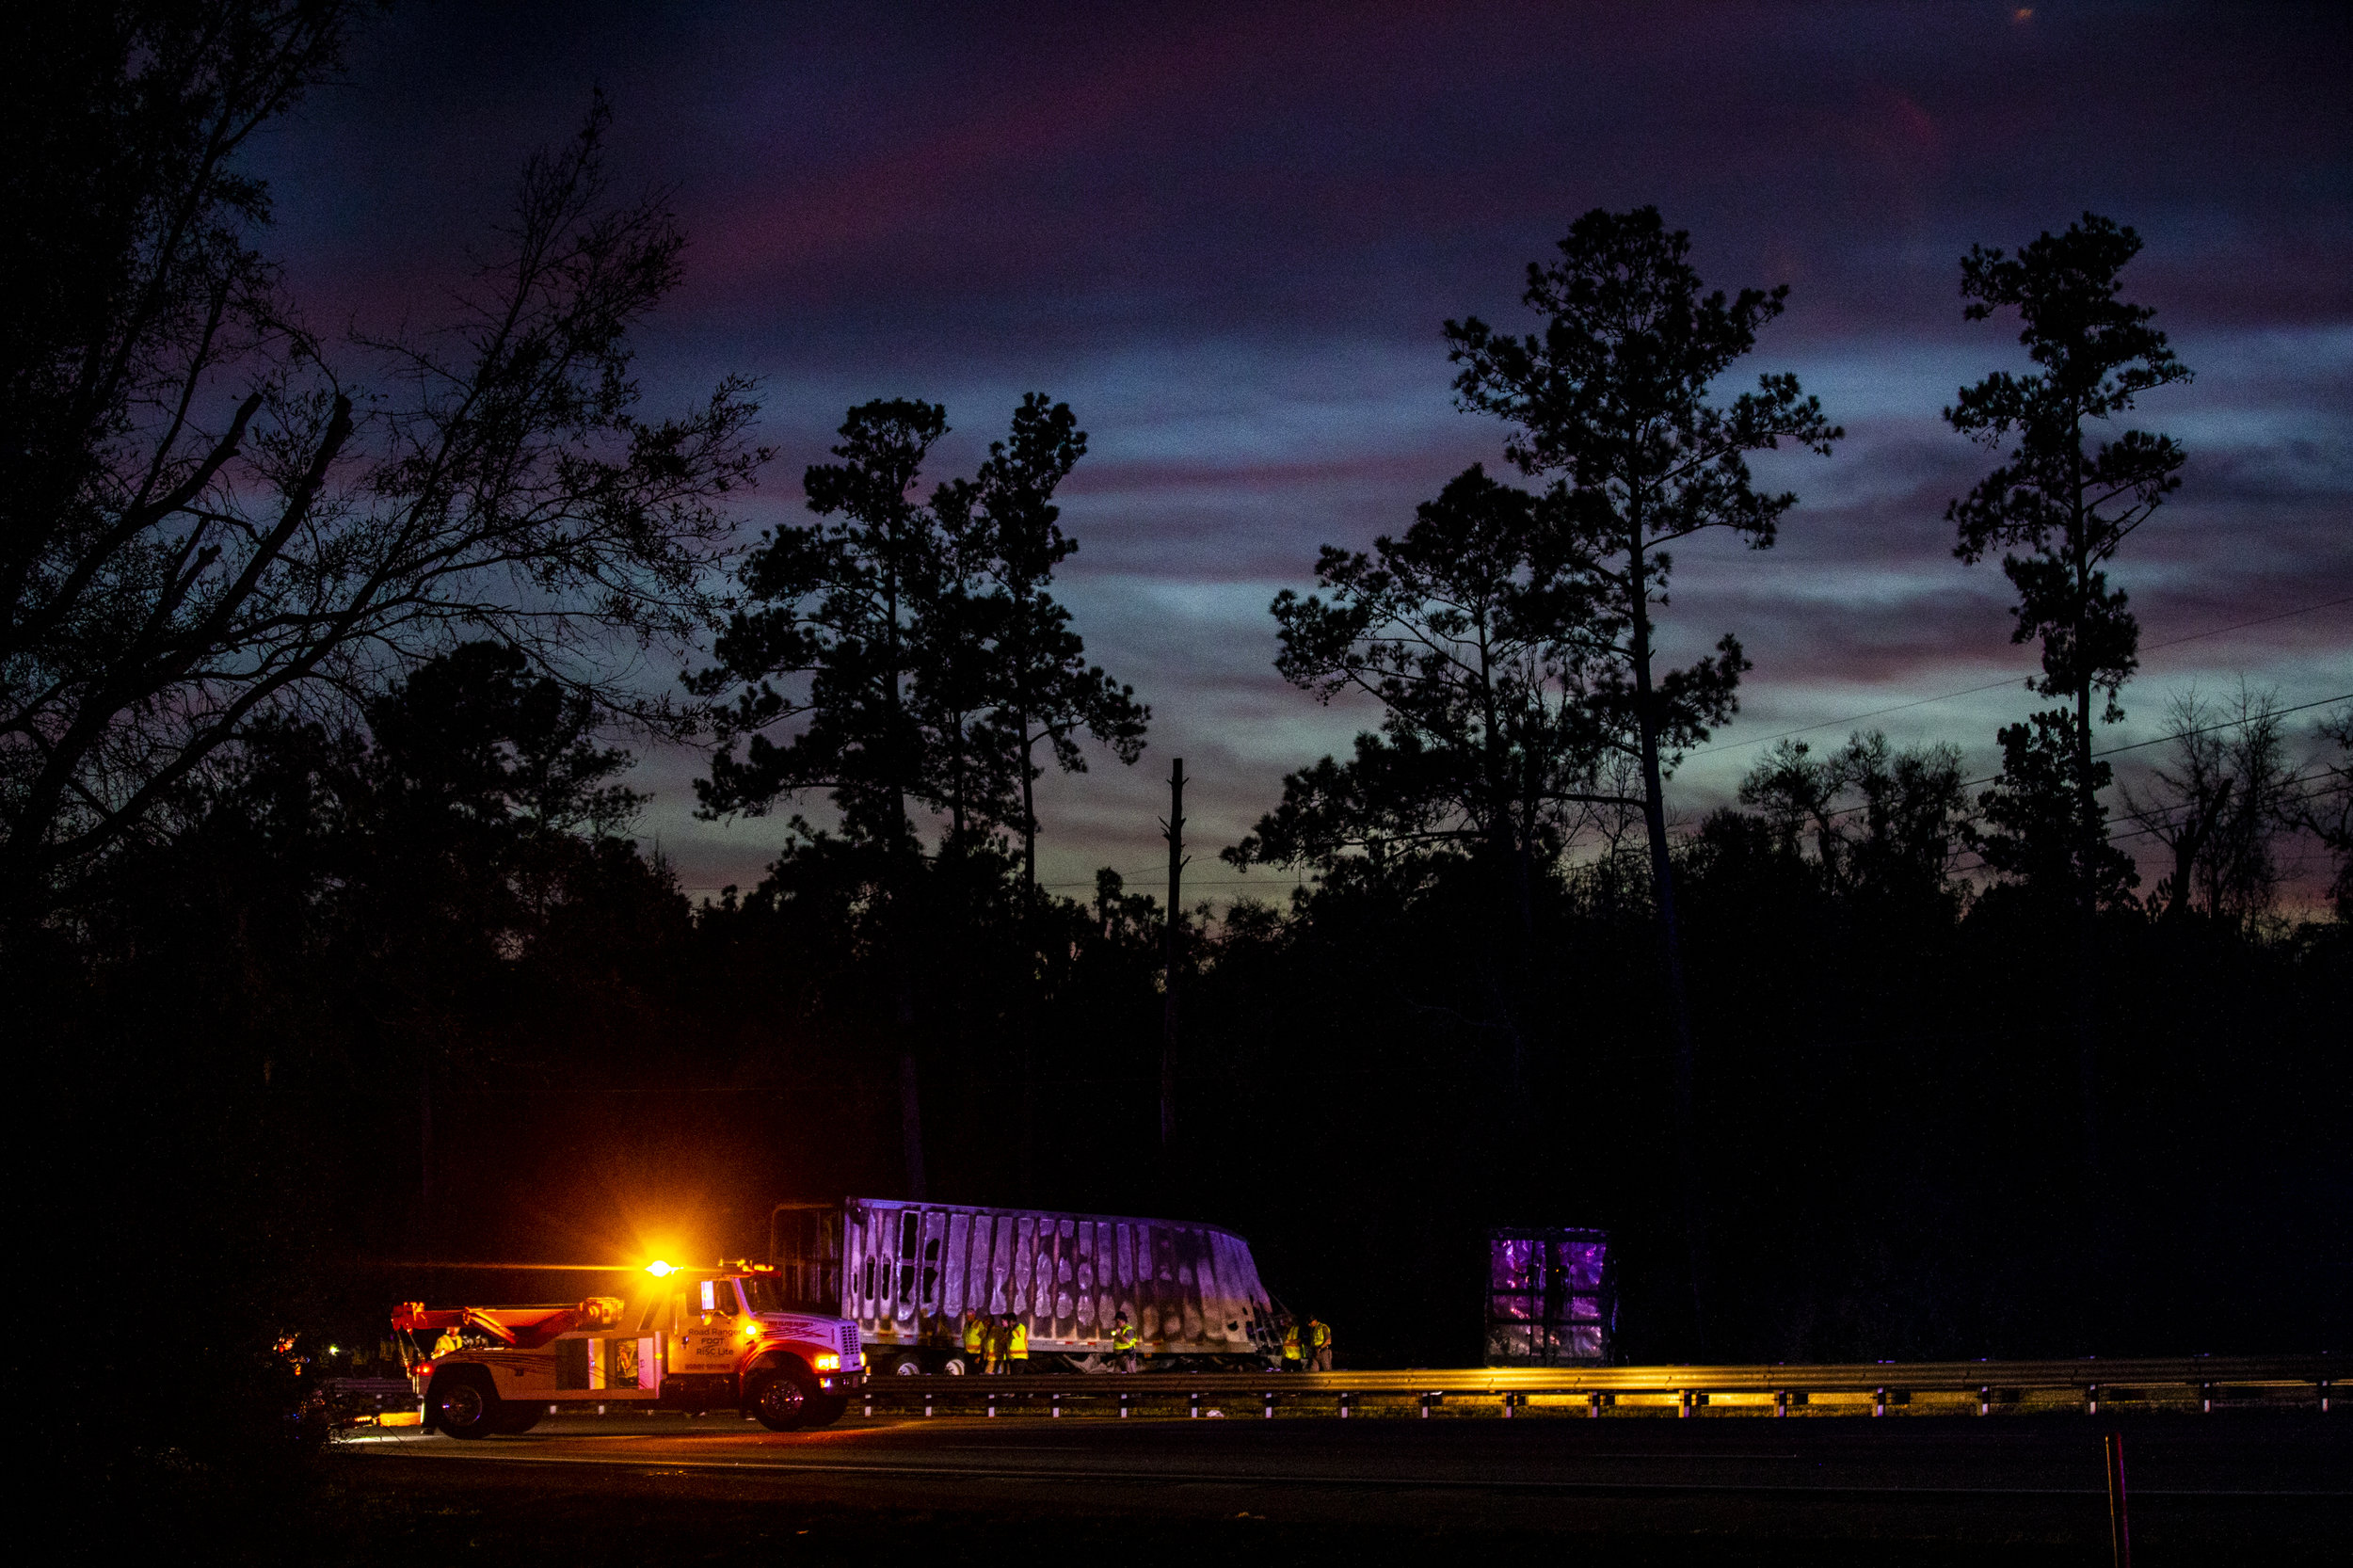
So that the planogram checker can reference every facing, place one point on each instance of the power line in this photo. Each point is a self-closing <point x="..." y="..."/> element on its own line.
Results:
<point x="1190" y="882"/>
<point x="1833" y="724"/>
<point x="2109" y="833"/>
<point x="2135" y="745"/>
<point x="2009" y="680"/>
<point x="1843" y="810"/>
<point x="2330" y="787"/>
<point x="2225" y="723"/>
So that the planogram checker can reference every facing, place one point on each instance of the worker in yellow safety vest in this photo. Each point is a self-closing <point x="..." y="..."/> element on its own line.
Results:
<point x="1290" y="1345"/>
<point x="975" y="1338"/>
<point x="450" y="1343"/>
<point x="1018" y="1346"/>
<point x="1318" y="1345"/>
<point x="993" y="1347"/>
<point x="1124" y="1344"/>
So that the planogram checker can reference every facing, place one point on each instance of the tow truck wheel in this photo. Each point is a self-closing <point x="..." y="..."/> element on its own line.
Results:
<point x="461" y="1407"/>
<point x="781" y="1397"/>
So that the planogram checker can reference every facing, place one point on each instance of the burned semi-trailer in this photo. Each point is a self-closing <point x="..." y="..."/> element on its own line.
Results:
<point x="910" y="1275"/>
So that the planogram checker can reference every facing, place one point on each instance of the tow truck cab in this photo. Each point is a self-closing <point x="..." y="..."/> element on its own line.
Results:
<point x="694" y="1339"/>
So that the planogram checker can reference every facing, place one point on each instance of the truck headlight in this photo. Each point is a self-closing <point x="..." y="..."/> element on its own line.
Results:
<point x="829" y="1364"/>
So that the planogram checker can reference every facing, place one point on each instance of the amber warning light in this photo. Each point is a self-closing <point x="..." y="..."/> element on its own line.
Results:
<point x="659" y="1270"/>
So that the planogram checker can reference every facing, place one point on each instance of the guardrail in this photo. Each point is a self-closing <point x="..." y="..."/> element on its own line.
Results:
<point x="373" y="1402"/>
<point x="1949" y="1387"/>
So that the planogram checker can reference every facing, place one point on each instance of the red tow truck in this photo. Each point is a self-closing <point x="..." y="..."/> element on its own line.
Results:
<point x="694" y="1339"/>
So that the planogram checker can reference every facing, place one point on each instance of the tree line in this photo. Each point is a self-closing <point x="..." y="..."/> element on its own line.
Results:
<point x="320" y="892"/>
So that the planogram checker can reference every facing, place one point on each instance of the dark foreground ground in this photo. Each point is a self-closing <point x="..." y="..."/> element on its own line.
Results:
<point x="664" y="1490"/>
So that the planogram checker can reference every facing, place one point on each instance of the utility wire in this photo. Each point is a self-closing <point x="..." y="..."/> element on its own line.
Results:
<point x="2014" y="680"/>
<point x="1966" y="784"/>
<point x="1843" y="810"/>
<point x="2225" y="723"/>
<point x="2330" y="787"/>
<point x="2136" y="745"/>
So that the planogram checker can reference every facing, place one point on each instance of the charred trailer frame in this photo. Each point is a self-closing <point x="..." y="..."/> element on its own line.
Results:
<point x="908" y="1272"/>
<point x="1552" y="1297"/>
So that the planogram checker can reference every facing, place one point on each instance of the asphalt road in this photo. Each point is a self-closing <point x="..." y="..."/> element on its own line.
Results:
<point x="2198" y="1487"/>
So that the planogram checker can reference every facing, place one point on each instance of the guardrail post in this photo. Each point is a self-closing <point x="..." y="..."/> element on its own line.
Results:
<point x="2119" y="1529"/>
<point x="1269" y="1396"/>
<point x="1593" y="1407"/>
<point x="1193" y="1403"/>
<point x="992" y="1405"/>
<point x="1123" y="1405"/>
<point x="2091" y="1399"/>
<point x="2206" y="1398"/>
<point x="1985" y="1400"/>
<point x="927" y="1403"/>
<point x="869" y="1399"/>
<point x="1347" y="1400"/>
<point x="1057" y="1404"/>
<point x="1781" y="1404"/>
<point x="1878" y="1402"/>
<point x="1428" y="1398"/>
<point x="1506" y="1407"/>
<point x="1683" y="1404"/>
<point x="2324" y="1396"/>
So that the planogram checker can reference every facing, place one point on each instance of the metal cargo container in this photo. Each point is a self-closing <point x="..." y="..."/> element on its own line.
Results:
<point x="1552" y="1297"/>
<point x="906" y="1273"/>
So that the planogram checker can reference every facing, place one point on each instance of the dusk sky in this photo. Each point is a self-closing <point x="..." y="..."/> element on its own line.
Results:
<point x="1228" y="239"/>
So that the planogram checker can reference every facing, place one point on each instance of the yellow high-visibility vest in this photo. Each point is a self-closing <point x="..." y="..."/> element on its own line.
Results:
<point x="1123" y="1337"/>
<point x="1020" y="1340"/>
<point x="975" y="1333"/>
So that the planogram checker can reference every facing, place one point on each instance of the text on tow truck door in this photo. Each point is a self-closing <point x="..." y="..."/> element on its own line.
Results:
<point x="703" y="1319"/>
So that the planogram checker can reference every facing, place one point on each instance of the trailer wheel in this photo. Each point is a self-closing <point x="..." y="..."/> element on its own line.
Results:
<point x="954" y="1366"/>
<point x="461" y="1406"/>
<point x="781" y="1398"/>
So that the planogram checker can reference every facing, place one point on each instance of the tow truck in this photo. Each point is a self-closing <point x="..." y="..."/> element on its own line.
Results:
<point x="691" y="1339"/>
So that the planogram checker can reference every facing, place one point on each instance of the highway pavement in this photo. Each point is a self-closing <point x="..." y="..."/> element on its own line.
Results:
<point x="2201" y="1487"/>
